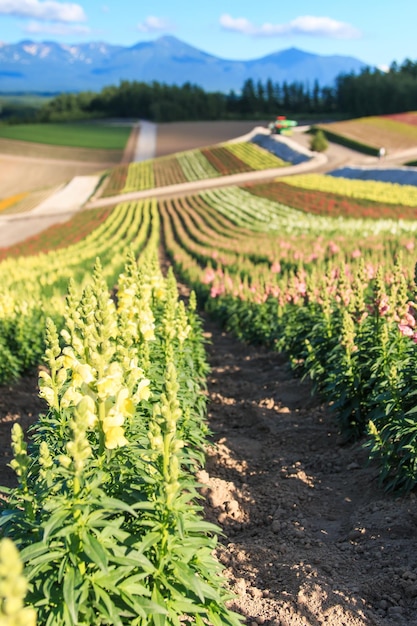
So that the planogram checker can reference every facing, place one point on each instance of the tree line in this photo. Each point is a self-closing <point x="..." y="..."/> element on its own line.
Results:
<point x="371" y="92"/>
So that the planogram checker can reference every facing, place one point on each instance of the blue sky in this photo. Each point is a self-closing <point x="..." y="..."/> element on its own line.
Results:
<point x="375" y="32"/>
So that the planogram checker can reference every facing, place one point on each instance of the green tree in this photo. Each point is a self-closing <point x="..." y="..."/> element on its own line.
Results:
<point x="319" y="142"/>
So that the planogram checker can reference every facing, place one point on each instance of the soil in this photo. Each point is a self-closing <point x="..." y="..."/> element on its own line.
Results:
<point x="309" y="537"/>
<point x="178" y="136"/>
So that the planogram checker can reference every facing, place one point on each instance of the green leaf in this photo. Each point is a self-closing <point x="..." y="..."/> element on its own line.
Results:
<point x="133" y="585"/>
<point x="106" y="606"/>
<point x="94" y="550"/>
<point x="70" y="595"/>
<point x="114" y="504"/>
<point x="40" y="553"/>
<point x="56" y="520"/>
<point x="159" y="612"/>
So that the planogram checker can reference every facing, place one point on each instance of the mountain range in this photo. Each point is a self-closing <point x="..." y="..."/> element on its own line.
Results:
<point x="49" y="66"/>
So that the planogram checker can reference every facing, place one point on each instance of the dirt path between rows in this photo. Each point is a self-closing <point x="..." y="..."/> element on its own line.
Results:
<point x="309" y="538"/>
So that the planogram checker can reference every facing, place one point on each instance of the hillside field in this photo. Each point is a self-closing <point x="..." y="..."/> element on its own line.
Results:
<point x="252" y="344"/>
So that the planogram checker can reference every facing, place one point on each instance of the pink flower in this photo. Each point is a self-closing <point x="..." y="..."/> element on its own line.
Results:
<point x="408" y="320"/>
<point x="406" y="331"/>
<point x="302" y="288"/>
<point x="209" y="276"/>
<point x="276" y="267"/>
<point x="333" y="248"/>
<point x="383" y="305"/>
<point x="356" y="253"/>
<point x="217" y="290"/>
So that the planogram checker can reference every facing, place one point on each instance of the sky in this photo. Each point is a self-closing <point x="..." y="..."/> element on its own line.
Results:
<point x="377" y="33"/>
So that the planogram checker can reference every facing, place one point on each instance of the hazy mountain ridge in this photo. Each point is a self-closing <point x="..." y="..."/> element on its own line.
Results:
<point x="50" y="66"/>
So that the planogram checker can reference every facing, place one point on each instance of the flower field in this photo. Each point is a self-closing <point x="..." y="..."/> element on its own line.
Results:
<point x="375" y="191"/>
<point x="333" y="204"/>
<point x="106" y="517"/>
<point x="337" y="296"/>
<point x="400" y="175"/>
<point x="191" y="165"/>
<point x="105" y="526"/>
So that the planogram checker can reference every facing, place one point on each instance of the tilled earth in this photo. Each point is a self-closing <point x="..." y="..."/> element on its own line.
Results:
<point x="309" y="537"/>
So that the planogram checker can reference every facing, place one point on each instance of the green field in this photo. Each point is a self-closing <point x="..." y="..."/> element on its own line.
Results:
<point x="95" y="136"/>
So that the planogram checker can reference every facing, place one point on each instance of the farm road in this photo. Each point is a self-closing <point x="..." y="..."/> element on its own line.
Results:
<point x="209" y="183"/>
<point x="57" y="208"/>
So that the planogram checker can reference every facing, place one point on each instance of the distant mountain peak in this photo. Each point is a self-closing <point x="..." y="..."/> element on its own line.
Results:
<point x="52" y="67"/>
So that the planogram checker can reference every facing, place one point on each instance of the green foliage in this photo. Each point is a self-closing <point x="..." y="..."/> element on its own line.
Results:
<point x="319" y="142"/>
<point x="349" y="143"/>
<point x="94" y="136"/>
<point x="106" y="514"/>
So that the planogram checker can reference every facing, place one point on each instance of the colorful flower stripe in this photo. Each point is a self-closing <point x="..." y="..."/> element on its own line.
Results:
<point x="256" y="157"/>
<point x="196" y="166"/>
<point x="139" y="176"/>
<point x="375" y="191"/>
<point x="224" y="161"/>
<point x="24" y="303"/>
<point x="110" y="475"/>
<point x="405" y="118"/>
<point x="58" y="235"/>
<point x="332" y="204"/>
<point x="115" y="181"/>
<point x="168" y="171"/>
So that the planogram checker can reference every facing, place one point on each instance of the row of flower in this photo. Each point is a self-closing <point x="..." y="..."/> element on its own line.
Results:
<point x="58" y="236"/>
<point x="32" y="287"/>
<point x="106" y="515"/>
<point x="189" y="166"/>
<point x="342" y="306"/>
<point x="333" y="204"/>
<point x="375" y="191"/>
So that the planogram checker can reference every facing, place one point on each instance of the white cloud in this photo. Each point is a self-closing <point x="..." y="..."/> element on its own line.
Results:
<point x="303" y="25"/>
<point x="153" y="24"/>
<point x="48" y="10"/>
<point x="40" y="28"/>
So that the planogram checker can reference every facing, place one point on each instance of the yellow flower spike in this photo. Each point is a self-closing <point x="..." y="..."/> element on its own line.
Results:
<point x="112" y="420"/>
<point x="143" y="391"/>
<point x="48" y="394"/>
<point x="44" y="378"/>
<point x="13" y="587"/>
<point x="61" y="376"/>
<point x="68" y="360"/>
<point x="64" y="460"/>
<point x="86" y="408"/>
<point x="71" y="398"/>
<point x="114" y="438"/>
<point x="108" y="386"/>
<point x="83" y="374"/>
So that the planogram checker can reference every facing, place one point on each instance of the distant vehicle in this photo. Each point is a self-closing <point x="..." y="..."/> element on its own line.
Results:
<point x="281" y="126"/>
